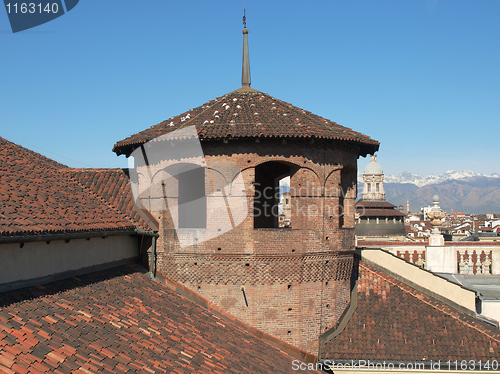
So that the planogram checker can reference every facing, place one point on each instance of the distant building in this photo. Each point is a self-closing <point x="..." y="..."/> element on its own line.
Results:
<point x="375" y="217"/>
<point x="373" y="181"/>
<point x="285" y="217"/>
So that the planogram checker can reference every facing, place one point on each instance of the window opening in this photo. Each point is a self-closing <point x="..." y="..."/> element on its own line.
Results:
<point x="272" y="201"/>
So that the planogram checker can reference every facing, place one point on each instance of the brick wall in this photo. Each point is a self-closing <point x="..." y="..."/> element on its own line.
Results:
<point x="296" y="280"/>
<point x="294" y="298"/>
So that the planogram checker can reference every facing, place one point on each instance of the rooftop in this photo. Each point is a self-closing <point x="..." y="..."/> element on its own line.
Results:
<point x="38" y="197"/>
<point x="379" y="208"/>
<point x="395" y="322"/>
<point x="379" y="204"/>
<point x="113" y="186"/>
<point x="487" y="285"/>
<point x="120" y="320"/>
<point x="248" y="113"/>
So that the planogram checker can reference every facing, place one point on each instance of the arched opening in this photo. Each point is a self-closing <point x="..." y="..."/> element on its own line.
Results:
<point x="272" y="201"/>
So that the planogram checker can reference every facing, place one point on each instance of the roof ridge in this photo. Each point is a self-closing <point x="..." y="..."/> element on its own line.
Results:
<point x="52" y="163"/>
<point x="40" y="196"/>
<point x="403" y="287"/>
<point x="102" y="199"/>
<point x="91" y="169"/>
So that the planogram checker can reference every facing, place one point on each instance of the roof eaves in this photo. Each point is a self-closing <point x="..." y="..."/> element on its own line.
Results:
<point x="28" y="237"/>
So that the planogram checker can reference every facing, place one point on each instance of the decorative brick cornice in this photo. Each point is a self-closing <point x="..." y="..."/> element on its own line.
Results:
<point x="257" y="269"/>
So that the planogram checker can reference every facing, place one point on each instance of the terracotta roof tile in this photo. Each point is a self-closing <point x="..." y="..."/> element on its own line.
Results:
<point x="121" y="320"/>
<point x="369" y="208"/>
<point x="113" y="186"/>
<point x="248" y="114"/>
<point x="379" y="212"/>
<point x="36" y="197"/>
<point x="395" y="322"/>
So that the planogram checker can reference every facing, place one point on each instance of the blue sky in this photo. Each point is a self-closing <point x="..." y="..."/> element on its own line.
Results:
<point x="420" y="76"/>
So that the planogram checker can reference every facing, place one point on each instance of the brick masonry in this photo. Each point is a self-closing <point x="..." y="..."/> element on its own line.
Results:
<point x="296" y="281"/>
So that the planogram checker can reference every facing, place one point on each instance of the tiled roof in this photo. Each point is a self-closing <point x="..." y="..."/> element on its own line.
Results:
<point x="113" y="186"/>
<point x="248" y="114"/>
<point x="36" y="197"/>
<point x="362" y="242"/>
<point x="395" y="322"/>
<point x="368" y="208"/>
<point x="374" y="204"/>
<point x="118" y="321"/>
<point x="379" y="212"/>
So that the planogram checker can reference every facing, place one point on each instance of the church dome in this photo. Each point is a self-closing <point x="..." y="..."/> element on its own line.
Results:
<point x="373" y="167"/>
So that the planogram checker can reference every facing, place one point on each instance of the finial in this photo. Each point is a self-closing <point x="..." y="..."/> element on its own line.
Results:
<point x="245" y="72"/>
<point x="435" y="200"/>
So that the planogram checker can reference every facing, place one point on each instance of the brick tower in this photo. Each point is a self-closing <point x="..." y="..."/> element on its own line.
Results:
<point x="291" y="282"/>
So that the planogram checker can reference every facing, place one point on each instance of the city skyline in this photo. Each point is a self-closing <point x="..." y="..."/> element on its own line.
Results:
<point x="419" y="77"/>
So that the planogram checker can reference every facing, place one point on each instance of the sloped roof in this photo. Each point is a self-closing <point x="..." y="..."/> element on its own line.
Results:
<point x="372" y="208"/>
<point x="113" y="186"/>
<point x="382" y="204"/>
<point x="379" y="213"/>
<point x="395" y="322"/>
<point x="248" y="113"/>
<point x="120" y="320"/>
<point x="36" y="197"/>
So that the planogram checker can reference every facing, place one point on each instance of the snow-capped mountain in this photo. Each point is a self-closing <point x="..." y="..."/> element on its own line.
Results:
<point x="464" y="191"/>
<point x="419" y="181"/>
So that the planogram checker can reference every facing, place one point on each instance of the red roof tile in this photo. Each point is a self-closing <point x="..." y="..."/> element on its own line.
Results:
<point x="395" y="322"/>
<point x="121" y="320"/>
<point x="375" y="204"/>
<point x="248" y="114"/>
<point x="368" y="208"/>
<point x="113" y="186"/>
<point x="379" y="212"/>
<point x="36" y="197"/>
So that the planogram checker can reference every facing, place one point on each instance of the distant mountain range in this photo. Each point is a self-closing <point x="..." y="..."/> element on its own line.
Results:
<point x="464" y="191"/>
<point x="419" y="181"/>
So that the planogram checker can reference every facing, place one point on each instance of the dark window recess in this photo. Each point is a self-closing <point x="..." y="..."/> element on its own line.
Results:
<point x="268" y="212"/>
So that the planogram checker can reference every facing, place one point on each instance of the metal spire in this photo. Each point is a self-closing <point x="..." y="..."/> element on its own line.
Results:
<point x="245" y="73"/>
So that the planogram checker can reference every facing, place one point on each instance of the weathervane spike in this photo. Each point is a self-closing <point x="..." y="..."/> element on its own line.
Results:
<point x="245" y="75"/>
